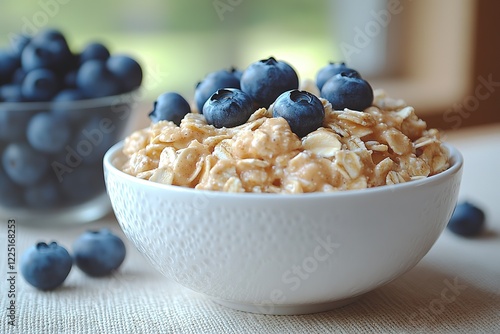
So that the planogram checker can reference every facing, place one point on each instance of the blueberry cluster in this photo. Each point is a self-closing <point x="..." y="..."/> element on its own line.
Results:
<point x="96" y="253"/>
<point x="227" y="98"/>
<point x="53" y="131"/>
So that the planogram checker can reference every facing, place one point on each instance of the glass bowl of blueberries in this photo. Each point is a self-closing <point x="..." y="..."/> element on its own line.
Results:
<point x="60" y="111"/>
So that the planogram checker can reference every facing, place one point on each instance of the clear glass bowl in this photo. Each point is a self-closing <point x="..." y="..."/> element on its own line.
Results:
<point x="67" y="186"/>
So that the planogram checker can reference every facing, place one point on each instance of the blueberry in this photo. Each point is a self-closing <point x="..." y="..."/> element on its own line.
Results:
<point x="18" y="43"/>
<point x="267" y="79"/>
<point x="348" y="90"/>
<point x="64" y="106"/>
<point x="237" y="73"/>
<point x="467" y="220"/>
<point x="170" y="107"/>
<point x="69" y="79"/>
<point x="302" y="110"/>
<point x="228" y="107"/>
<point x="46" y="266"/>
<point x="330" y="70"/>
<point x="49" y="35"/>
<point x="35" y="56"/>
<point x="48" y="132"/>
<point x="94" y="51"/>
<point x="11" y="194"/>
<point x="50" y="54"/>
<point x="11" y="93"/>
<point x="18" y="76"/>
<point x="13" y="123"/>
<point x="44" y="195"/>
<point x="40" y="85"/>
<point x="83" y="183"/>
<point x="24" y="165"/>
<point x="8" y="65"/>
<point x="98" y="253"/>
<point x="127" y="70"/>
<point x="95" y="80"/>
<point x="211" y="83"/>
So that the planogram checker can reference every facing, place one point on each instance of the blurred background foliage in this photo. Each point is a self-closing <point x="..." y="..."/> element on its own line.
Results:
<point x="178" y="42"/>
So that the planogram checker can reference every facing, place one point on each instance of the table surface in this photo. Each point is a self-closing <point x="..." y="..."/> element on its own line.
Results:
<point x="454" y="289"/>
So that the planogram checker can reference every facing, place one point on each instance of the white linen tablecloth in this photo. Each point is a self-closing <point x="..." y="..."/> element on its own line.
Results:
<point x="454" y="289"/>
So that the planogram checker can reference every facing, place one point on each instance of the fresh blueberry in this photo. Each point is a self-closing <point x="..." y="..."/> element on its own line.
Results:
<point x="127" y="70"/>
<point x="98" y="253"/>
<point x="48" y="133"/>
<point x="83" y="183"/>
<point x="13" y="123"/>
<point x="40" y="85"/>
<point x="94" y="51"/>
<point x="46" y="266"/>
<point x="8" y="65"/>
<point x="95" y="80"/>
<point x="237" y="73"/>
<point x="467" y="220"/>
<point x="94" y="138"/>
<point x="302" y="110"/>
<point x="23" y="164"/>
<point x="267" y="79"/>
<point x="11" y="195"/>
<point x="64" y="106"/>
<point x="49" y="35"/>
<point x="213" y="82"/>
<point x="18" y="43"/>
<point x="330" y="70"/>
<point x="348" y="90"/>
<point x="69" y="79"/>
<point x="44" y="195"/>
<point x="51" y="54"/>
<point x="170" y="107"/>
<point x="228" y="107"/>
<point x="18" y="76"/>
<point x="11" y="93"/>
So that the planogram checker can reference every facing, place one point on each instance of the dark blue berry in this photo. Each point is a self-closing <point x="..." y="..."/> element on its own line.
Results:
<point x="170" y="107"/>
<point x="228" y="107"/>
<point x="11" y="93"/>
<point x="330" y="70"/>
<point x="18" y="43"/>
<point x="467" y="220"/>
<point x="95" y="80"/>
<point x="23" y="164"/>
<point x="53" y="54"/>
<point x="94" y="51"/>
<point x="13" y="123"/>
<point x="64" y="105"/>
<point x="48" y="132"/>
<point x="302" y="110"/>
<point x="11" y="194"/>
<point x="213" y="82"/>
<point x="8" y="65"/>
<point x="83" y="183"/>
<point x="44" y="195"/>
<point x="98" y="253"/>
<point x="267" y="79"/>
<point x="45" y="266"/>
<point x="40" y="85"/>
<point x="348" y="90"/>
<point x="127" y="70"/>
<point x="18" y="76"/>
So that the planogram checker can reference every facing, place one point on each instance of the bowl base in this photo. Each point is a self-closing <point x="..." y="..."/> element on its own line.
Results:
<point x="291" y="309"/>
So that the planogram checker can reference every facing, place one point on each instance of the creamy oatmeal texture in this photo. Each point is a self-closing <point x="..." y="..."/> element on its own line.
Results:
<point x="386" y="144"/>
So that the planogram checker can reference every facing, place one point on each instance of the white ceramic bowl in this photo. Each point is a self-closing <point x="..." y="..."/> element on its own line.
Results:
<point x="283" y="254"/>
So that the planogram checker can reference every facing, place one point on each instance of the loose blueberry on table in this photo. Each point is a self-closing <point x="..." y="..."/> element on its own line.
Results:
<point x="467" y="220"/>
<point x="98" y="253"/>
<point x="45" y="266"/>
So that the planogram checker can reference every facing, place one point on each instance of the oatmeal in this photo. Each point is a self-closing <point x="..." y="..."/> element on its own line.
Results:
<point x="383" y="145"/>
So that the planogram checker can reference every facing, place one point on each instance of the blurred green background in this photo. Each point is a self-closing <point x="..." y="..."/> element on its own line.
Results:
<point x="178" y="42"/>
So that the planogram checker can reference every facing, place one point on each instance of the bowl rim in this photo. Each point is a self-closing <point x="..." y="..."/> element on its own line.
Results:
<point x="456" y="159"/>
<point x="78" y="104"/>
